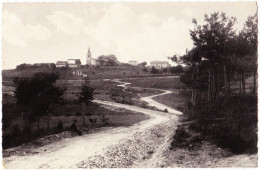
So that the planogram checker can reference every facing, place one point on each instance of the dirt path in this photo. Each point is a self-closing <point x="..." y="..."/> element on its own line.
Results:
<point x="68" y="153"/>
<point x="149" y="99"/>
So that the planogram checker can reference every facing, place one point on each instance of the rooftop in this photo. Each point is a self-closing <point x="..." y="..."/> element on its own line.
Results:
<point x="159" y="62"/>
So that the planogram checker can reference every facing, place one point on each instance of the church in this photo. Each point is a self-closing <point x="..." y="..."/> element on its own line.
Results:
<point x="91" y="61"/>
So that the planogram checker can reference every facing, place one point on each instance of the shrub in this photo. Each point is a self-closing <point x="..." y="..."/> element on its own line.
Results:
<point x="154" y="70"/>
<point x="104" y="119"/>
<point x="180" y="137"/>
<point x="78" y="114"/>
<point x="15" y="130"/>
<point x="145" y="70"/>
<point x="231" y="122"/>
<point x="166" y="110"/>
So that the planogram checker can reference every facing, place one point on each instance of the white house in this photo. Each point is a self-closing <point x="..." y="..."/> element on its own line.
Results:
<point x="74" y="63"/>
<point x="159" y="64"/>
<point x="61" y="64"/>
<point x="132" y="63"/>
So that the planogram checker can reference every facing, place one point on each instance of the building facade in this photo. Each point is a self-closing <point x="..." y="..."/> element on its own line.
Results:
<point x="91" y="61"/>
<point x="132" y="63"/>
<point x="159" y="64"/>
<point x="62" y="64"/>
<point x="77" y="73"/>
<point x="74" y="63"/>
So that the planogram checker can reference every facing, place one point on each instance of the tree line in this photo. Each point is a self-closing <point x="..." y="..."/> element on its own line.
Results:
<point x="220" y="56"/>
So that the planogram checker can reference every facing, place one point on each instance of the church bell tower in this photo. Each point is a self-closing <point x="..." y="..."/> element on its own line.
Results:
<point x="88" y="57"/>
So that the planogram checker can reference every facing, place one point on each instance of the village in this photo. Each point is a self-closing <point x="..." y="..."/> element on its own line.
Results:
<point x="129" y="85"/>
<point x="110" y="60"/>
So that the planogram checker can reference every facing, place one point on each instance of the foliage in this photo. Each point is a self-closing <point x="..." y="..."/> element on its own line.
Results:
<point x="219" y="56"/>
<point x="104" y="119"/>
<point x="121" y="96"/>
<point x="165" y="70"/>
<point x="37" y="94"/>
<point x="143" y="63"/>
<point x="86" y="94"/>
<point x="231" y="122"/>
<point x="154" y="70"/>
<point x="109" y="60"/>
<point x="178" y="69"/>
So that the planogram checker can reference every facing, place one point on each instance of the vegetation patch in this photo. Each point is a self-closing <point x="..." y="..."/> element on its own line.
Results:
<point x="230" y="123"/>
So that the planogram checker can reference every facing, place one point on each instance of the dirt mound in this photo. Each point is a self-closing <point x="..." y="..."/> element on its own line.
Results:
<point x="140" y="146"/>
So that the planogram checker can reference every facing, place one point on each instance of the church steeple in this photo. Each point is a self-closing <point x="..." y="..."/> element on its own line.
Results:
<point x="89" y="53"/>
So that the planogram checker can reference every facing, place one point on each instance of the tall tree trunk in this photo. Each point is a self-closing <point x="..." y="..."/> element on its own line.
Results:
<point x="229" y="79"/>
<point x="225" y="80"/>
<point x="49" y="118"/>
<point x="192" y="94"/>
<point x="38" y="124"/>
<point x="83" y="113"/>
<point x="243" y="82"/>
<point x="254" y="90"/>
<point x="195" y="96"/>
<point x="240" y="82"/>
<point x="209" y="85"/>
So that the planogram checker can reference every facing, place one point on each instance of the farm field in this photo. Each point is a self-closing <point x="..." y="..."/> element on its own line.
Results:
<point x="143" y="85"/>
<point x="102" y="72"/>
<point x="115" y="117"/>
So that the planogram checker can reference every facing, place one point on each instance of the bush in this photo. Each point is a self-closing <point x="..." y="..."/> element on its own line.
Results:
<point x="78" y="114"/>
<point x="180" y="138"/>
<point x="165" y="70"/>
<point x="145" y="70"/>
<point x="231" y="122"/>
<point x="15" y="130"/>
<point x="154" y="70"/>
<point x="178" y="69"/>
<point x="104" y="119"/>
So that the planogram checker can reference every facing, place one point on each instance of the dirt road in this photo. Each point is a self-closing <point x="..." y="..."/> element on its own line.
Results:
<point x="78" y="151"/>
<point x="149" y="99"/>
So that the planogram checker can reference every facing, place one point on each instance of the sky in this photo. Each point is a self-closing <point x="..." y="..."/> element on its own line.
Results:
<point x="142" y="31"/>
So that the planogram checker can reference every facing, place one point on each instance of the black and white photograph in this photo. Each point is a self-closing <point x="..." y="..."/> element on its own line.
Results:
<point x="129" y="84"/>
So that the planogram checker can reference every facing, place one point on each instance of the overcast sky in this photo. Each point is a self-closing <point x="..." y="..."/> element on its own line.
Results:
<point x="47" y="32"/>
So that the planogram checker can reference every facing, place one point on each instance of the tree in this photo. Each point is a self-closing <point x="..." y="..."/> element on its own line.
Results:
<point x="154" y="70"/>
<point x="214" y="42"/>
<point x="143" y="63"/>
<point x="85" y="97"/>
<point x="102" y="59"/>
<point x="109" y="60"/>
<point x="37" y="94"/>
<point x="178" y="69"/>
<point x="247" y="50"/>
<point x="165" y="70"/>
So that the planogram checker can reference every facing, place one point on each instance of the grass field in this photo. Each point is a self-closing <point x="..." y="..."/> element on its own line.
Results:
<point x="70" y="111"/>
<point x="159" y="82"/>
<point x="102" y="72"/>
<point x="177" y="100"/>
<point x="13" y="134"/>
